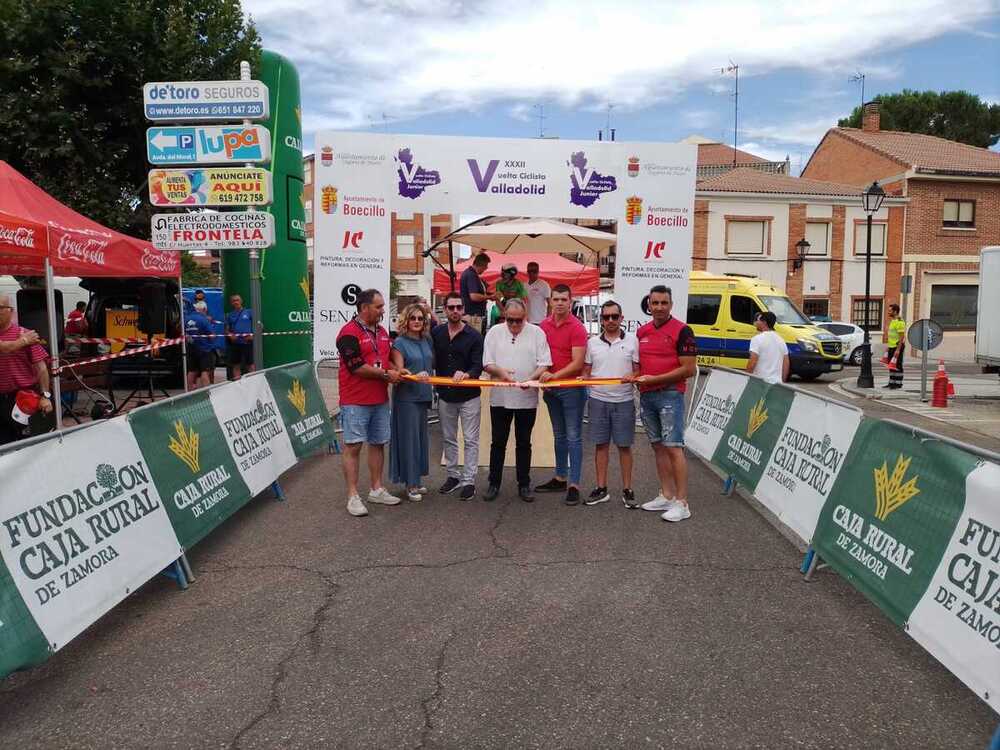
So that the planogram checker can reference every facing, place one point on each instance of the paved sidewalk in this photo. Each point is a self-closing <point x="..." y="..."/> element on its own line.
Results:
<point x="493" y="625"/>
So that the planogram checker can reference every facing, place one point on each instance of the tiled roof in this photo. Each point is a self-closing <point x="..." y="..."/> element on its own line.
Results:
<point x="926" y="152"/>
<point x="717" y="153"/>
<point x="748" y="180"/>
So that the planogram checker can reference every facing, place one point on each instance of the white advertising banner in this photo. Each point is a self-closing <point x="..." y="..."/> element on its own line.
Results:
<point x="958" y="617"/>
<point x="90" y="534"/>
<point x="712" y="412"/>
<point x="213" y="231"/>
<point x="254" y="430"/>
<point x="806" y="461"/>
<point x="361" y="178"/>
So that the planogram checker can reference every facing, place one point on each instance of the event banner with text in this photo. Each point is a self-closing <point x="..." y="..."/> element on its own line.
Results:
<point x="647" y="189"/>
<point x="912" y="522"/>
<point x="132" y="493"/>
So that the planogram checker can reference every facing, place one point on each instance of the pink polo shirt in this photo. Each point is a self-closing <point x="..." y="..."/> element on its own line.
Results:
<point x="17" y="369"/>
<point x="562" y="337"/>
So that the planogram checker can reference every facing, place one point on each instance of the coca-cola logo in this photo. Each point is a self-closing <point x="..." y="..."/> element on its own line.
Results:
<point x="88" y="248"/>
<point x="18" y="236"/>
<point x="153" y="260"/>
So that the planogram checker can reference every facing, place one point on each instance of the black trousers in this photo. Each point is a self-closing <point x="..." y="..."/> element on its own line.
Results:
<point x="896" y="376"/>
<point x="10" y="430"/>
<point x="524" y="422"/>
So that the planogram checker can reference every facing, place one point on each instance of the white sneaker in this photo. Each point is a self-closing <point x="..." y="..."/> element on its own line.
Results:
<point x="658" y="504"/>
<point x="355" y="507"/>
<point x="414" y="494"/>
<point x="678" y="512"/>
<point x="381" y="495"/>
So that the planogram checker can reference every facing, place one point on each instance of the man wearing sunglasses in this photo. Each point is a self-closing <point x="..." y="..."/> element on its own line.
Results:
<point x="458" y="354"/>
<point x="514" y="352"/>
<point x="611" y="407"/>
<point x="22" y="367"/>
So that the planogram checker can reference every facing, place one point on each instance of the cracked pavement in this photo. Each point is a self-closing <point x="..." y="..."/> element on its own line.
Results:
<point x="445" y="624"/>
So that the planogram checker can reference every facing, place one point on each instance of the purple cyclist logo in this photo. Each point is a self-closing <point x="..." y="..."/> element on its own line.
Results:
<point x="587" y="184"/>
<point x="413" y="178"/>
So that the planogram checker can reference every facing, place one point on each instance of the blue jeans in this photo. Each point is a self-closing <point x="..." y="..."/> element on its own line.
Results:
<point x="566" y="413"/>
<point x="365" y="423"/>
<point x="663" y="416"/>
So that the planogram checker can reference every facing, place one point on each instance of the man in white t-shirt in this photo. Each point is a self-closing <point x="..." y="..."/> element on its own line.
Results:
<point x="538" y="296"/>
<point x="514" y="352"/>
<point x="768" y="352"/>
<point x="611" y="407"/>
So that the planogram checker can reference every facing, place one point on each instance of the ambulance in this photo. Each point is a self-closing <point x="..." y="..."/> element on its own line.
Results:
<point x="721" y="312"/>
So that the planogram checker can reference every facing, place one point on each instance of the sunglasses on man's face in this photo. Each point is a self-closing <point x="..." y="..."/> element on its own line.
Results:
<point x="515" y="321"/>
<point x="610" y="316"/>
<point x="454" y="307"/>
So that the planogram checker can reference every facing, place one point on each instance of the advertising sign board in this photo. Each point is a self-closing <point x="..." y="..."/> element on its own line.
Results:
<point x="205" y="100"/>
<point x="229" y="186"/>
<point x="213" y="231"/>
<point x="232" y="144"/>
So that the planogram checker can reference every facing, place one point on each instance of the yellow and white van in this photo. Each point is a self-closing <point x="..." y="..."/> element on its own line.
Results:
<point x="721" y="312"/>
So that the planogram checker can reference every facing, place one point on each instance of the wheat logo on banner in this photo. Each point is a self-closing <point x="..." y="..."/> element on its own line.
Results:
<point x="890" y="492"/>
<point x="185" y="446"/>
<point x="758" y="416"/>
<point x="297" y="395"/>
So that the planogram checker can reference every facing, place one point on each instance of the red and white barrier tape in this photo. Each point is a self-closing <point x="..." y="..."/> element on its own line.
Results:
<point x="124" y="353"/>
<point x="134" y="340"/>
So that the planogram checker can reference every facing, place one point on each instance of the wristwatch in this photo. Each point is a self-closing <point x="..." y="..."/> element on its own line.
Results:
<point x="46" y="394"/>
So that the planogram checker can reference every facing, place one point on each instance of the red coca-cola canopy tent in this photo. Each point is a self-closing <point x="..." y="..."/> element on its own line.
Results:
<point x="34" y="225"/>
<point x="552" y="267"/>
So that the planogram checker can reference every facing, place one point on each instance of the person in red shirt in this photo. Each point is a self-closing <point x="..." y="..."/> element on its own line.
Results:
<point x="667" y="357"/>
<point x="567" y="340"/>
<point x="364" y="377"/>
<point x="76" y="321"/>
<point x="22" y="367"/>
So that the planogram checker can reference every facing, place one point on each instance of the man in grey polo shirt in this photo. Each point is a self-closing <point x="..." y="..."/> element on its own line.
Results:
<point x="611" y="407"/>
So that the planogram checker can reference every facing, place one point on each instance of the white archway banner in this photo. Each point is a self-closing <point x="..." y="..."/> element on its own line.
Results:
<point x="361" y="178"/>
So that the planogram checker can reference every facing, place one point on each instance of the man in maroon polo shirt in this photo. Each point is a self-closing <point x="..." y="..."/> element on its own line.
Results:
<point x="364" y="377"/>
<point x="667" y="357"/>
<point x="22" y="367"/>
<point x="567" y="339"/>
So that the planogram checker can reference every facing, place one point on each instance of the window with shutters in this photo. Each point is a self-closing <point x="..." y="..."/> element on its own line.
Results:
<point x="747" y="237"/>
<point x="861" y="238"/>
<point x="818" y="237"/>
<point x="404" y="245"/>
<point x="959" y="214"/>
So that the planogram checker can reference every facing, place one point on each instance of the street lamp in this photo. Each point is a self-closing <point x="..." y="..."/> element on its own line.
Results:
<point x="871" y="199"/>
<point x="802" y="250"/>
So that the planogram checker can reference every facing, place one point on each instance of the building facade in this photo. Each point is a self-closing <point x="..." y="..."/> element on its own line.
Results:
<point x="952" y="212"/>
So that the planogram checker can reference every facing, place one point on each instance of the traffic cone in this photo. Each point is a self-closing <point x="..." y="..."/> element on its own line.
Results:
<point x="939" y="397"/>
<point x="893" y="364"/>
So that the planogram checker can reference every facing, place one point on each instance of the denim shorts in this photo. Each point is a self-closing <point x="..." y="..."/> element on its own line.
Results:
<point x="663" y="416"/>
<point x="365" y="424"/>
<point x="612" y="422"/>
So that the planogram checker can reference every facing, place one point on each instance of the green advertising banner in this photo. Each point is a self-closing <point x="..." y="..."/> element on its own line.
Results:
<point x="22" y="644"/>
<point x="753" y="431"/>
<point x="302" y="407"/>
<point x="889" y="519"/>
<point x="284" y="267"/>
<point x="194" y="472"/>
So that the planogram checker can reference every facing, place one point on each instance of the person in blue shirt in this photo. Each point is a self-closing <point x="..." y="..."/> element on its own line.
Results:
<point x="239" y="320"/>
<point x="200" y="354"/>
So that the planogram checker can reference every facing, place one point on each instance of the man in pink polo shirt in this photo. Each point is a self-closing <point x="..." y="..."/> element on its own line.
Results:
<point x="667" y="357"/>
<point x="22" y="367"/>
<point x="567" y="340"/>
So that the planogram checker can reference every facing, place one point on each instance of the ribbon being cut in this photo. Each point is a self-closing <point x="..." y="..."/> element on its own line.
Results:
<point x="473" y="383"/>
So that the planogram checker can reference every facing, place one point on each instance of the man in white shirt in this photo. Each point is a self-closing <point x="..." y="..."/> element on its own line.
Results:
<point x="768" y="352"/>
<point x="538" y="296"/>
<point x="611" y="407"/>
<point x="514" y="352"/>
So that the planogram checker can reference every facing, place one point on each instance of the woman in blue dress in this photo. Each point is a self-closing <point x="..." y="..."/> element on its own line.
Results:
<point x="408" y="447"/>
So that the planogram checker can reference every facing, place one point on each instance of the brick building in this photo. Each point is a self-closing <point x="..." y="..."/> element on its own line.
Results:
<point x="750" y="222"/>
<point x="715" y="159"/>
<point x="953" y="210"/>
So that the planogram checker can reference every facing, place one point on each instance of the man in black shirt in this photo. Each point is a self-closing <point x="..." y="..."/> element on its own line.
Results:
<point x="473" y="289"/>
<point x="458" y="354"/>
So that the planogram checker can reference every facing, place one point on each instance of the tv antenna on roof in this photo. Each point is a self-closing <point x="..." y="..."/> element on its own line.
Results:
<point x="541" y="119"/>
<point x="859" y="77"/>
<point x="734" y="68"/>
<point x="610" y="131"/>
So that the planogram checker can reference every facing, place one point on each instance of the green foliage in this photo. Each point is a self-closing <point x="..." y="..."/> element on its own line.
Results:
<point x="393" y="286"/>
<point x="71" y="76"/>
<point x="955" y="115"/>
<point x="193" y="275"/>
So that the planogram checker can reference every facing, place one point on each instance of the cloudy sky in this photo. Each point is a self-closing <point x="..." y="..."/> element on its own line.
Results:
<point x="488" y="67"/>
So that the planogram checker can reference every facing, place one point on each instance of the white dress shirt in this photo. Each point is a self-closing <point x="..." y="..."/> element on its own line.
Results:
<point x="523" y="353"/>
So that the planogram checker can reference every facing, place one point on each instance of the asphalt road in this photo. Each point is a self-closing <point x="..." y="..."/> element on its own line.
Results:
<point x="477" y="625"/>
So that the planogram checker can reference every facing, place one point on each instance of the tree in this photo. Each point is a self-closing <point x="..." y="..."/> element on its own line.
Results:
<point x="71" y="76"/>
<point x="955" y="115"/>
<point x="193" y="275"/>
